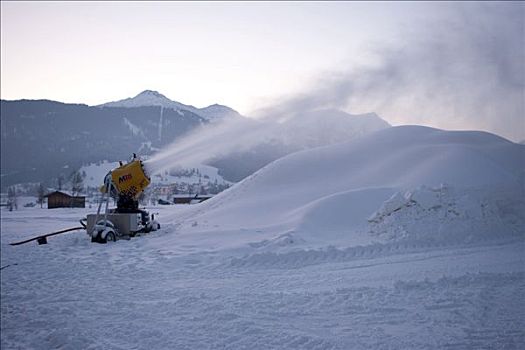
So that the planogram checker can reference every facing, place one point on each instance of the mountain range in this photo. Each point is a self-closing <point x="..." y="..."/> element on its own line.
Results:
<point x="43" y="140"/>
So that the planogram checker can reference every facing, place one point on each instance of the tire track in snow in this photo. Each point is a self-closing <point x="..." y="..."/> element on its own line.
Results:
<point x="301" y="258"/>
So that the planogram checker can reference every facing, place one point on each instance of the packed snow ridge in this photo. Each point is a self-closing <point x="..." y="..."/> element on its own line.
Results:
<point x="401" y="182"/>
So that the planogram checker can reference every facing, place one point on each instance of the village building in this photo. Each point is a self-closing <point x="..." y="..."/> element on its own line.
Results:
<point x="164" y="190"/>
<point x="190" y="199"/>
<point x="63" y="199"/>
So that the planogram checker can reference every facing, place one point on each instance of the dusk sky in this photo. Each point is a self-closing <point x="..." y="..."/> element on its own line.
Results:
<point x="448" y="65"/>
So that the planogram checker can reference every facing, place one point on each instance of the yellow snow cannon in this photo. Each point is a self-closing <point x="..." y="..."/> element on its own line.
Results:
<point x="125" y="184"/>
<point x="128" y="180"/>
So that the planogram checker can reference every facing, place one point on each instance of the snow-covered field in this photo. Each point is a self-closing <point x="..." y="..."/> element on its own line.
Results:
<point x="140" y="294"/>
<point x="412" y="238"/>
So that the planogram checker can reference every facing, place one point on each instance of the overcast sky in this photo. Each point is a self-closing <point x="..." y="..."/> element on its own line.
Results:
<point x="447" y="65"/>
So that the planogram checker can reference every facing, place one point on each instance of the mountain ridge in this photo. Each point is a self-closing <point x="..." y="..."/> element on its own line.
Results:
<point x="154" y="98"/>
<point x="42" y="140"/>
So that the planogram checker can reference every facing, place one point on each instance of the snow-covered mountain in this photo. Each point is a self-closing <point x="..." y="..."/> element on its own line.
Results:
<point x="154" y="98"/>
<point x="42" y="139"/>
<point x="146" y="98"/>
<point x="298" y="132"/>
<point x="52" y="139"/>
<point x="216" y="111"/>
<point x="329" y="126"/>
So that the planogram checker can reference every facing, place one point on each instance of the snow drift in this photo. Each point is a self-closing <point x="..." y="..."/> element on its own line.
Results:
<point x="337" y="189"/>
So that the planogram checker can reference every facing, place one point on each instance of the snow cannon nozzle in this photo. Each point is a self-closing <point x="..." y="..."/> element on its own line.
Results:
<point x="127" y="180"/>
<point x="146" y="168"/>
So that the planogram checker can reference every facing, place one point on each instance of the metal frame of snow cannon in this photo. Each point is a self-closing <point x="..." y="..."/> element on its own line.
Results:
<point x="103" y="230"/>
<point x="119" y="223"/>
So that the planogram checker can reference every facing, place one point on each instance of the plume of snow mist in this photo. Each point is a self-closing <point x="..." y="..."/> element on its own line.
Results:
<point x="466" y="71"/>
<point x="209" y="141"/>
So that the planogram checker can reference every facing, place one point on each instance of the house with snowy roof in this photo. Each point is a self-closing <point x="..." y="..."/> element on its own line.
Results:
<point x="64" y="199"/>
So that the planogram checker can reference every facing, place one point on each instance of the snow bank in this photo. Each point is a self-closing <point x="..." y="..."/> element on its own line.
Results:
<point x="341" y="216"/>
<point x="328" y="193"/>
<point x="451" y="214"/>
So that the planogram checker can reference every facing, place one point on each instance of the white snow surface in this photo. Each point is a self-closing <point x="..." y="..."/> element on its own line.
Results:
<point x="409" y="238"/>
<point x="357" y="177"/>
<point x="147" y="98"/>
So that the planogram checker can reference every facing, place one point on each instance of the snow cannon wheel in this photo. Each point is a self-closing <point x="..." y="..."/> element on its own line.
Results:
<point x="98" y="238"/>
<point x="101" y="238"/>
<point x="152" y="226"/>
<point x="110" y="237"/>
<point x="104" y="232"/>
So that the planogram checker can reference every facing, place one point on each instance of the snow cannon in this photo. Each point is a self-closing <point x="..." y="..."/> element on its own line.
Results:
<point x="128" y="180"/>
<point x="125" y="184"/>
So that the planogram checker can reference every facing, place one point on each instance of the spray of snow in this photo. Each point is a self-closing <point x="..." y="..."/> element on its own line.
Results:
<point x="297" y="131"/>
<point x="464" y="71"/>
<point x="451" y="75"/>
<point x="202" y="144"/>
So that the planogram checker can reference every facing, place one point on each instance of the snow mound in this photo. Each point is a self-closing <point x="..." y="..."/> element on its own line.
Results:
<point x="452" y="214"/>
<point x="340" y="216"/>
<point x="329" y="193"/>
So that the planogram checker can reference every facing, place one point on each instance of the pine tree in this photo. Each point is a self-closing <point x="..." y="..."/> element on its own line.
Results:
<point x="12" y="201"/>
<point x="41" y="193"/>
<point x="77" y="184"/>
